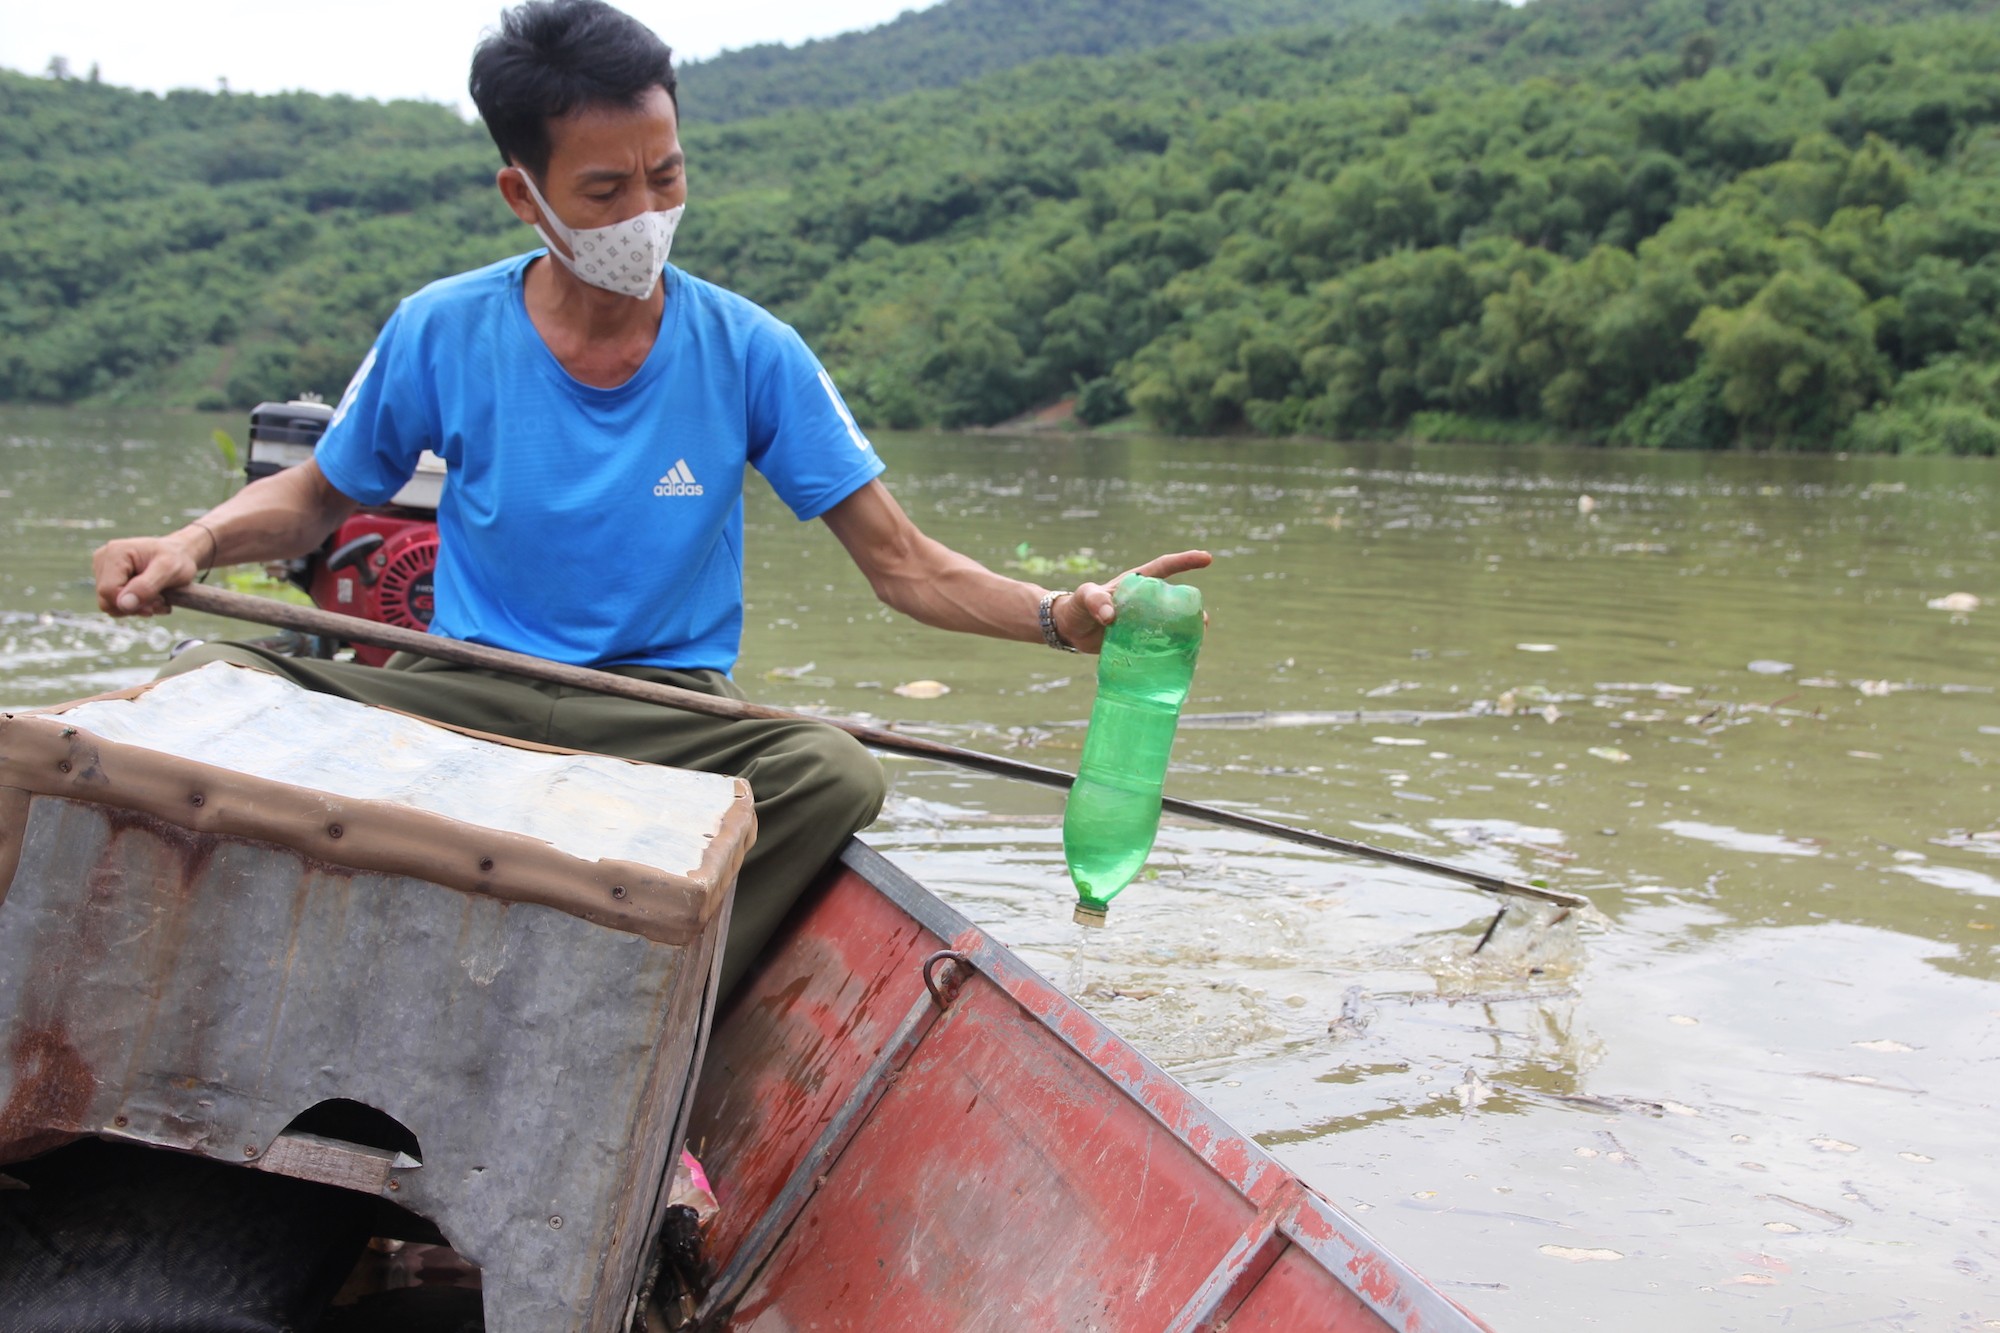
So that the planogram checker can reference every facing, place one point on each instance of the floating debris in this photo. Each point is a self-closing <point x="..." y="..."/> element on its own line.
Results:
<point x="1958" y="603"/>
<point x="1885" y="1045"/>
<point x="1535" y="647"/>
<point x="1833" y="1145"/>
<point x="1576" y="1255"/>
<point x="1609" y="754"/>
<point x="1916" y="1157"/>
<point x="1473" y="1093"/>
<point x="1766" y="666"/>
<point x="923" y="689"/>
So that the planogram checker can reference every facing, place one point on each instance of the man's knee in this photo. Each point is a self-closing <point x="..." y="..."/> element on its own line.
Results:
<point x="202" y="654"/>
<point x="853" y="776"/>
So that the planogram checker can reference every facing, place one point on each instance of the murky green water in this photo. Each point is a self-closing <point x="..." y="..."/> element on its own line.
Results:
<point x="1760" y="1095"/>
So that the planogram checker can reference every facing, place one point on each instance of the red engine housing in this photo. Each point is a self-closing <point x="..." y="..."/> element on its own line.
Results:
<point x="380" y="567"/>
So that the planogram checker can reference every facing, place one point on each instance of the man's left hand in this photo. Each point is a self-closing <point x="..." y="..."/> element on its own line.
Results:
<point x="1082" y="616"/>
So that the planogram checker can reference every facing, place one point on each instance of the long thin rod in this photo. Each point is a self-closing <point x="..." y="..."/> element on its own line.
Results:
<point x="327" y="624"/>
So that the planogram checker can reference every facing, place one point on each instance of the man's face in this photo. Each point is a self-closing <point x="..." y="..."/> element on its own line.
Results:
<point x="608" y="164"/>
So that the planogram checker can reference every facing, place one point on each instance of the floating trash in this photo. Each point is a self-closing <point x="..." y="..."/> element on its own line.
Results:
<point x="1958" y="603"/>
<point x="1581" y="1256"/>
<point x="923" y="689"/>
<point x="790" y="673"/>
<point x="1767" y="666"/>
<point x="1886" y="1045"/>
<point x="1834" y="1145"/>
<point x="1535" y="647"/>
<point x="1609" y="754"/>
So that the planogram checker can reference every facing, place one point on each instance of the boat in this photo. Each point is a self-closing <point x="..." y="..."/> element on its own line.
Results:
<point x="919" y="1131"/>
<point x="242" y="926"/>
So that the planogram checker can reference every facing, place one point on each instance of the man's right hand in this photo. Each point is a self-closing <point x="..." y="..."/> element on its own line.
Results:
<point x="135" y="573"/>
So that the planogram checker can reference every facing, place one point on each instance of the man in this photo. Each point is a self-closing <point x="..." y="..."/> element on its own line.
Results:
<point x="596" y="408"/>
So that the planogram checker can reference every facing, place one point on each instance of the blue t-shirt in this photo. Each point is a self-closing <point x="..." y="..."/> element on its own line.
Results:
<point x="593" y="526"/>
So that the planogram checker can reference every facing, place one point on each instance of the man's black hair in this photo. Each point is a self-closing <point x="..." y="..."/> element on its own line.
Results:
<point x="551" y="57"/>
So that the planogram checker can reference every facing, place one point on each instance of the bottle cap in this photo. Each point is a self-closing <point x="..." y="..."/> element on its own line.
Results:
<point x="1086" y="915"/>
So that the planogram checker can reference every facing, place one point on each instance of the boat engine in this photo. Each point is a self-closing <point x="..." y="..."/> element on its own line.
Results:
<point x="381" y="562"/>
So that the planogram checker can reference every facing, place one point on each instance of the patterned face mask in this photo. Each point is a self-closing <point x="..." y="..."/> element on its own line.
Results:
<point x="626" y="257"/>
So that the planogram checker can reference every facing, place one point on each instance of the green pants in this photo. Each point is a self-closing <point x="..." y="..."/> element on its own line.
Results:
<point x="813" y="785"/>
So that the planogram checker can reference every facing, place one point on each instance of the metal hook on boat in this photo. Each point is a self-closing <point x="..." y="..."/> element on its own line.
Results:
<point x="943" y="994"/>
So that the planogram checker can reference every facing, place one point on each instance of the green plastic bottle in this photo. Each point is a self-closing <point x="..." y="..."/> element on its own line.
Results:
<point x="1142" y="680"/>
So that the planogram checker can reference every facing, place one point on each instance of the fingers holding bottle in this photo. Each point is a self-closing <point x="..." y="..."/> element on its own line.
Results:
<point x="1082" y="616"/>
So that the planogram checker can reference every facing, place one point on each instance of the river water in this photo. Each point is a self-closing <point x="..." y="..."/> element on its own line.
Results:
<point x="1713" y="693"/>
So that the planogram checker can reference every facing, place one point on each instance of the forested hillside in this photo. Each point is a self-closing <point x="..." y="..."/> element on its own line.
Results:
<point x="961" y="40"/>
<point x="1675" y="223"/>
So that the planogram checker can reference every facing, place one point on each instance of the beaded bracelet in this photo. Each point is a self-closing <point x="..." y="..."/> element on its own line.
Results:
<point x="1047" y="615"/>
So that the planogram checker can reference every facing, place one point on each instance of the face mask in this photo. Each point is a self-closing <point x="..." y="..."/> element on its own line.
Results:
<point x="626" y="257"/>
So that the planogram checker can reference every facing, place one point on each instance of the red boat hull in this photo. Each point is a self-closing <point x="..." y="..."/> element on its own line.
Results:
<point x="985" y="1155"/>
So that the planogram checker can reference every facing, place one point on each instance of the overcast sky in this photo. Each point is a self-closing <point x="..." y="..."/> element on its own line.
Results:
<point x="369" y="48"/>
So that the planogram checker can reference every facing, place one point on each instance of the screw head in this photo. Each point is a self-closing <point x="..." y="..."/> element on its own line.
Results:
<point x="395" y="1185"/>
<point x="121" y="1121"/>
<point x="197" y="800"/>
<point x="618" y="892"/>
<point x="249" y="1150"/>
<point x="555" y="1223"/>
<point x="63" y="767"/>
<point x="486" y="865"/>
<point x="334" y="830"/>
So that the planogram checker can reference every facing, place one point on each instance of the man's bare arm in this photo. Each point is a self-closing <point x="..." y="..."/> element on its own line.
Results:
<point x="929" y="582"/>
<point x="281" y="516"/>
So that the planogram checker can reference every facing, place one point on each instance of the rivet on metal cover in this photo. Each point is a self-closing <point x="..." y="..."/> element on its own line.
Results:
<point x="942" y="995"/>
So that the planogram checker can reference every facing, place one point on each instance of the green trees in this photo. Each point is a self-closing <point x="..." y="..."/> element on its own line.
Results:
<point x="1694" y="224"/>
<point x="950" y="44"/>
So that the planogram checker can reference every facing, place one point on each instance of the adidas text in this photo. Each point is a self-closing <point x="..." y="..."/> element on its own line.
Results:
<point x="678" y="481"/>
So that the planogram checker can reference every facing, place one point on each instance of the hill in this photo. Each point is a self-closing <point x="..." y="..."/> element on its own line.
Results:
<point x="1682" y="223"/>
<point x="961" y="40"/>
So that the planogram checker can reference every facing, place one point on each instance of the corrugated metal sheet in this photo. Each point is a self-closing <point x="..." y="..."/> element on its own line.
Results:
<point x="196" y="990"/>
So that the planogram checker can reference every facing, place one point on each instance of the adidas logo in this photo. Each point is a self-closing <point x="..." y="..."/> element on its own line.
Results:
<point x="678" y="481"/>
